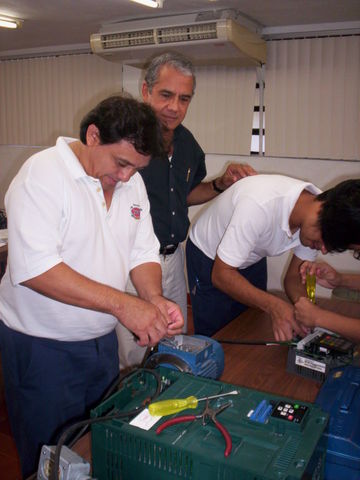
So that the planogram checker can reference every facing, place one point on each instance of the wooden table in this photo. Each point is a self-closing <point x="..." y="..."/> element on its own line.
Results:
<point x="261" y="367"/>
<point x="264" y="367"/>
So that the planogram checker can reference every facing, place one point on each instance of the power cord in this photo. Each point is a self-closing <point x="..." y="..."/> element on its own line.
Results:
<point x="268" y="343"/>
<point x="54" y="474"/>
<point x="113" y="387"/>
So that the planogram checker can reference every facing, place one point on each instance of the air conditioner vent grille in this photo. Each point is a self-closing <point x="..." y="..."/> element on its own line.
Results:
<point x="128" y="39"/>
<point x="205" y="42"/>
<point x="187" y="33"/>
<point x="183" y="33"/>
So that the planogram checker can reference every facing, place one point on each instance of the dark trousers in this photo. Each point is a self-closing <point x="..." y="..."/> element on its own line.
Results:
<point x="213" y="309"/>
<point x="50" y="384"/>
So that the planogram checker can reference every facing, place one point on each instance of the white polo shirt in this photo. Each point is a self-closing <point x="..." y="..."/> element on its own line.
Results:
<point x="250" y="221"/>
<point x="57" y="213"/>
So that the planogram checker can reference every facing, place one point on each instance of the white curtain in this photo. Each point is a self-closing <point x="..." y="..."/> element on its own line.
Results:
<point x="312" y="98"/>
<point x="221" y="113"/>
<point x="42" y="98"/>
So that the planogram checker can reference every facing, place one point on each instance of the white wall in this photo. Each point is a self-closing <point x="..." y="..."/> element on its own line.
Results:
<point x="322" y="173"/>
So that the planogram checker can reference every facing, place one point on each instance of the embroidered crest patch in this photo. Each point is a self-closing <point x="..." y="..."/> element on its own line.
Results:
<point x="135" y="212"/>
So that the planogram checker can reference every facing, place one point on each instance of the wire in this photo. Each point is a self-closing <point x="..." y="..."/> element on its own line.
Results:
<point x="54" y="474"/>
<point x="34" y="475"/>
<point x="114" y="386"/>
<point x="267" y="343"/>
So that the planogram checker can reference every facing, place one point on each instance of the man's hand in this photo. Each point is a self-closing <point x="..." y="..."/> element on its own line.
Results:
<point x="204" y="191"/>
<point x="306" y="312"/>
<point x="172" y="312"/>
<point x="326" y="275"/>
<point x="284" y="325"/>
<point x="144" y="319"/>
<point x="168" y="320"/>
<point x="233" y="173"/>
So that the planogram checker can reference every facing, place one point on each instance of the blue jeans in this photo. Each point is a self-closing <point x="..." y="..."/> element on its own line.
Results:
<point x="213" y="309"/>
<point x="50" y="384"/>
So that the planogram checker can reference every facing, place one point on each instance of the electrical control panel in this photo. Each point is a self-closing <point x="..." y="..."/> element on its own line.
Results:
<point x="319" y="352"/>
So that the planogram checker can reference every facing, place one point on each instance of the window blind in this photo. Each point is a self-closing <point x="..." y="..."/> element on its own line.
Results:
<point x="313" y="98"/>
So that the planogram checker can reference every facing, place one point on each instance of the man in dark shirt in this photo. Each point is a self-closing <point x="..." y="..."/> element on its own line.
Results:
<point x="174" y="182"/>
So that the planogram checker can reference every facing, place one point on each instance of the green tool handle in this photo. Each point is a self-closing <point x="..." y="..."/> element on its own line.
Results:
<point x="167" y="407"/>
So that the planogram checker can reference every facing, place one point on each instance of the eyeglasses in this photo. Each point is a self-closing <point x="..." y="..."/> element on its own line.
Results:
<point x="356" y="254"/>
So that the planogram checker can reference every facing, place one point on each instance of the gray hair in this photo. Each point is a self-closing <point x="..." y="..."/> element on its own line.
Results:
<point x="175" y="60"/>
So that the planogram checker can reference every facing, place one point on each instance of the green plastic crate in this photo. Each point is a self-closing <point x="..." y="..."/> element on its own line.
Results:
<point x="276" y="450"/>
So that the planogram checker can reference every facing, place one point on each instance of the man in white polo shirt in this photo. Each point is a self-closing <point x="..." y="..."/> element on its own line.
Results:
<point x="79" y="222"/>
<point x="262" y="216"/>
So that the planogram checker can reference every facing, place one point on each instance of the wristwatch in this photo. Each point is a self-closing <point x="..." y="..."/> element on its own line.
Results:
<point x="215" y="187"/>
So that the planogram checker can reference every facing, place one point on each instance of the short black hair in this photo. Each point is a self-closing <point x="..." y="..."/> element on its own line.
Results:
<point x="339" y="218"/>
<point x="123" y="118"/>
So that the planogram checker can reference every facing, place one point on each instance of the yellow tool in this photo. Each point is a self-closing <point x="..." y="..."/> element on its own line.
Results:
<point x="167" y="407"/>
<point x="311" y="287"/>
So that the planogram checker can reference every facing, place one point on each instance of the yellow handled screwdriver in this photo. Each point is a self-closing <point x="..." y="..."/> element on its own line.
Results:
<point x="167" y="407"/>
<point x="311" y="287"/>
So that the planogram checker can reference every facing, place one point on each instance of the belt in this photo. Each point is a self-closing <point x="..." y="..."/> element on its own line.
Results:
<point x="168" y="249"/>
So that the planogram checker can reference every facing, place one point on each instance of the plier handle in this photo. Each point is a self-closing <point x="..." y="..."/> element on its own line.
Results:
<point x="206" y="415"/>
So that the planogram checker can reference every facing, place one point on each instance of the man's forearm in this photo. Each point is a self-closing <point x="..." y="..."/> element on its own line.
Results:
<point x="201" y="193"/>
<point x="294" y="289"/>
<point x="147" y="280"/>
<point x="345" y="326"/>
<point x="144" y="318"/>
<point x="205" y="191"/>
<point x="231" y="282"/>
<point x="65" y="285"/>
<point x="350" y="280"/>
<point x="293" y="286"/>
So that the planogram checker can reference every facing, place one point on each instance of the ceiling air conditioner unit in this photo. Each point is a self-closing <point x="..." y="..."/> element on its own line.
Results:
<point x="202" y="39"/>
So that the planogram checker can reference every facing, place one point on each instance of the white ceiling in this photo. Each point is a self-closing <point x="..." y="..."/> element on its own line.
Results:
<point x="49" y="25"/>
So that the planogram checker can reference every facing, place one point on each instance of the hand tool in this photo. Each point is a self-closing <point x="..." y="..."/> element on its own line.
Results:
<point x="310" y="287"/>
<point x="175" y="405"/>
<point x="206" y="415"/>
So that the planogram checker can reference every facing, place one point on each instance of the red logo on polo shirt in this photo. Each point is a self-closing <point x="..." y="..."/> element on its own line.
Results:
<point x="135" y="212"/>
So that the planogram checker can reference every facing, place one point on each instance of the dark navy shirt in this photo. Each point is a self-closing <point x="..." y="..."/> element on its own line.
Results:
<point x="169" y="183"/>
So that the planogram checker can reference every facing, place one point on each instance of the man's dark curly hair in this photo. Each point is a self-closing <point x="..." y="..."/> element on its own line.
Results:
<point x="123" y="118"/>
<point x="339" y="219"/>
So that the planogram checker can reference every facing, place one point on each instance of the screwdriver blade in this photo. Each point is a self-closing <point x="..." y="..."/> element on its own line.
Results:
<point x="234" y="392"/>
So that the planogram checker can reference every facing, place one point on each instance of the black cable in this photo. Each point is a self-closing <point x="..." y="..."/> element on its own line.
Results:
<point x="32" y="477"/>
<point x="54" y="474"/>
<point x="164" y="358"/>
<point x="114" y="386"/>
<point x="55" y="470"/>
<point x="267" y="343"/>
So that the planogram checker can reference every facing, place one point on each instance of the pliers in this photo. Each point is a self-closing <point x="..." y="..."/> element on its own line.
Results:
<point x="206" y="415"/>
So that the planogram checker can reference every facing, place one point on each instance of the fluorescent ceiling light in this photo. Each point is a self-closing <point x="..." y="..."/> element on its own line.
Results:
<point x="9" y="22"/>
<point x="150" y="3"/>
